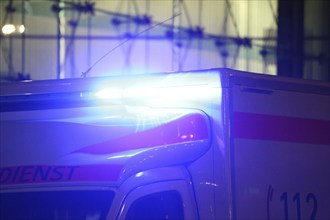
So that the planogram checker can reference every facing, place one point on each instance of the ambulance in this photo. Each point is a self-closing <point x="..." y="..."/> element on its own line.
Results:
<point x="206" y="144"/>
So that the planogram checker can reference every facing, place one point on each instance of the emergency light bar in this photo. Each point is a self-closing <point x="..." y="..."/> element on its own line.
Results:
<point x="163" y="90"/>
<point x="157" y="90"/>
<point x="154" y="95"/>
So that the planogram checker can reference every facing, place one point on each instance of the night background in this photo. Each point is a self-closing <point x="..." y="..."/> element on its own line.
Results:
<point x="43" y="39"/>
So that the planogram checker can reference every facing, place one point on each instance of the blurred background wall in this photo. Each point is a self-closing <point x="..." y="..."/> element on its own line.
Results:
<point x="44" y="39"/>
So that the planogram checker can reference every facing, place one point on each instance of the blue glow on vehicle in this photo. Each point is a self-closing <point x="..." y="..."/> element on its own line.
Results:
<point x="129" y="154"/>
<point x="139" y="174"/>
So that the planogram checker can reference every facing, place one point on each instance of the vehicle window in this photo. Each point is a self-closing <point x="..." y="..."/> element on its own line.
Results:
<point x="164" y="205"/>
<point x="87" y="205"/>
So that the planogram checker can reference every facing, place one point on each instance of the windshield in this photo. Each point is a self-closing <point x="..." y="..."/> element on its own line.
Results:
<point x="88" y="205"/>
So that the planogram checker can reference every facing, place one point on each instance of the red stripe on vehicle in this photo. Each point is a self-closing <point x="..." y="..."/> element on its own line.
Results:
<point x="281" y="128"/>
<point x="188" y="128"/>
<point x="34" y="174"/>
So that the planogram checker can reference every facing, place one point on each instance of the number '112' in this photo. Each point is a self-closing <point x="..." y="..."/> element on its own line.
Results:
<point x="310" y="198"/>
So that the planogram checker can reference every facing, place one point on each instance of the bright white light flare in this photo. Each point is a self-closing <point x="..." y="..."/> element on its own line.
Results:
<point x="8" y="29"/>
<point x="21" y="29"/>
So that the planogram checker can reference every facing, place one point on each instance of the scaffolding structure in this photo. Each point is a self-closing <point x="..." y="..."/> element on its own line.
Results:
<point x="130" y="24"/>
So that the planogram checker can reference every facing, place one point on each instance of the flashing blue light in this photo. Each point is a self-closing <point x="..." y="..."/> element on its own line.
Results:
<point x="107" y="93"/>
<point x="163" y="90"/>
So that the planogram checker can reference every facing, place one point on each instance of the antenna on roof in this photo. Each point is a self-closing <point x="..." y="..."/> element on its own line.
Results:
<point x="84" y="74"/>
